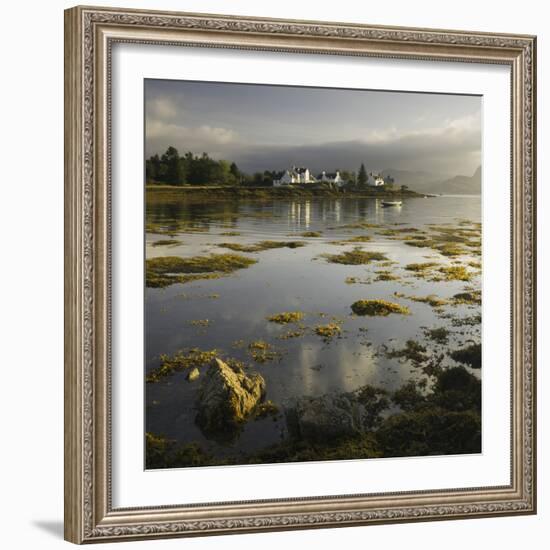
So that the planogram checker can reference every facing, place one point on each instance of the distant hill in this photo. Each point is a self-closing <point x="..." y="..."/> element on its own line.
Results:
<point x="462" y="185"/>
<point x="423" y="182"/>
<point x="428" y="182"/>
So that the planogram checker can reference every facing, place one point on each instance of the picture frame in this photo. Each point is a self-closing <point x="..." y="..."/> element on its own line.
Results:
<point x="90" y="35"/>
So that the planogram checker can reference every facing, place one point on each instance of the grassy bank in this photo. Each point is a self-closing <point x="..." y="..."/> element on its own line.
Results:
<point x="220" y="192"/>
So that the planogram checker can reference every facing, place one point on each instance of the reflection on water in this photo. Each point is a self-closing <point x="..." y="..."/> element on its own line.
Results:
<point x="287" y="279"/>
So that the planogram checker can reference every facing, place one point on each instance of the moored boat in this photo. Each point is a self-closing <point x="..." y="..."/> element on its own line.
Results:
<point x="392" y="203"/>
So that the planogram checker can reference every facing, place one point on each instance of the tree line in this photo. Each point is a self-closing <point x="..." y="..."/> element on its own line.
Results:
<point x="171" y="168"/>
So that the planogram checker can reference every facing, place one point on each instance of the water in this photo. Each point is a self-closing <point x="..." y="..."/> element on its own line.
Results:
<point x="284" y="279"/>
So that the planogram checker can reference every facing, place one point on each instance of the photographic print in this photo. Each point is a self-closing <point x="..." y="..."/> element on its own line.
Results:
<point x="276" y="254"/>
<point x="312" y="273"/>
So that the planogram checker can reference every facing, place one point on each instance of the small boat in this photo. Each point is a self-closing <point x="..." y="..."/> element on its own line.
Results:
<point x="392" y="203"/>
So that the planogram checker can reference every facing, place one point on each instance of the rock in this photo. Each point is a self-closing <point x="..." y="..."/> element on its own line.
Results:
<point x="336" y="415"/>
<point x="227" y="396"/>
<point x="327" y="417"/>
<point x="193" y="374"/>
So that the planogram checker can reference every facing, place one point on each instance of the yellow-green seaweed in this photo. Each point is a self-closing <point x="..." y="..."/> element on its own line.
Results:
<point x="378" y="308"/>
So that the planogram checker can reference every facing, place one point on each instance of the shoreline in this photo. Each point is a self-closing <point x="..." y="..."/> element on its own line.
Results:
<point x="224" y="192"/>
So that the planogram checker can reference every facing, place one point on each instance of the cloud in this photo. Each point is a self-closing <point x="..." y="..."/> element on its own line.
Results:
<point x="167" y="123"/>
<point x="450" y="130"/>
<point x="452" y="148"/>
<point x="163" y="108"/>
<point x="160" y="134"/>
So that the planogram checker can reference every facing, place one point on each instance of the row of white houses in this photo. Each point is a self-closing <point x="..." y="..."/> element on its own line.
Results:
<point x="302" y="175"/>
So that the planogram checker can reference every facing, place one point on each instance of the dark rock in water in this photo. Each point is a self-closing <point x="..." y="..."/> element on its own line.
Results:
<point x="325" y="417"/>
<point x="334" y="416"/>
<point x="227" y="396"/>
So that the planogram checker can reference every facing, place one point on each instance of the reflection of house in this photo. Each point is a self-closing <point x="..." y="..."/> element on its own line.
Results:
<point x="375" y="180"/>
<point x="293" y="176"/>
<point x="335" y="178"/>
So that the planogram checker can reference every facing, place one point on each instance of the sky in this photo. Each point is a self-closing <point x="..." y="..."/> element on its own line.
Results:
<point x="265" y="127"/>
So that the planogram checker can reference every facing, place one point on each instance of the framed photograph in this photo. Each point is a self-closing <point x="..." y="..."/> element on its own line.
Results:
<point x="300" y="274"/>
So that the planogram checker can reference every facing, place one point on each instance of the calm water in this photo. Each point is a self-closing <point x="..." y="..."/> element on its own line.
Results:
<point x="286" y="279"/>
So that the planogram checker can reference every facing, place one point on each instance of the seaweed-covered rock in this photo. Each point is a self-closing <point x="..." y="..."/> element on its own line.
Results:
<point x="335" y="416"/>
<point x="227" y="396"/>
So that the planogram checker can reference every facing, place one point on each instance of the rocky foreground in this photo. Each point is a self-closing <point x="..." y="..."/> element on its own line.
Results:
<point x="366" y="423"/>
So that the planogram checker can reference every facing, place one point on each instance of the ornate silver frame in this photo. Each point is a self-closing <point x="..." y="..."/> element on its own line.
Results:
<point x="89" y="36"/>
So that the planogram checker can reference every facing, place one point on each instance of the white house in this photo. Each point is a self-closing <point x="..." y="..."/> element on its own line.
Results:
<point x="293" y="176"/>
<point x="375" y="180"/>
<point x="335" y="178"/>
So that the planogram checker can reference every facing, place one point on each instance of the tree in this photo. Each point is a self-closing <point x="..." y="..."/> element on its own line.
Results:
<point x="235" y="172"/>
<point x="347" y="176"/>
<point x="225" y="177"/>
<point x="170" y="166"/>
<point x="152" y="169"/>
<point x="173" y="169"/>
<point x="258" y="179"/>
<point x="404" y="188"/>
<point x="362" y="176"/>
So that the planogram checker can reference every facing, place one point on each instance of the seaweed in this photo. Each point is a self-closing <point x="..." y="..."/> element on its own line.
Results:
<point x="356" y="225"/>
<point x="431" y="299"/>
<point x="297" y="333"/>
<point x="298" y="450"/>
<point x="469" y="321"/>
<point x="439" y="334"/>
<point x="166" y="242"/>
<point x="262" y="245"/>
<point x="378" y="308"/>
<point x="455" y="273"/>
<point x="286" y="317"/>
<point x="188" y="359"/>
<point x="450" y="250"/>
<point x="354" y="257"/>
<point x="421" y="267"/>
<point x="166" y="270"/>
<point x="262" y="352"/>
<point x="374" y="401"/>
<point x="329" y="331"/>
<point x="352" y="240"/>
<point x="310" y="234"/>
<point x="430" y="432"/>
<point x="180" y="361"/>
<point x="470" y="356"/>
<point x="413" y="351"/>
<point x="266" y="408"/>
<point x="471" y="297"/>
<point x="386" y="276"/>
<point x="161" y="452"/>
<point x="173" y="227"/>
